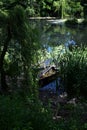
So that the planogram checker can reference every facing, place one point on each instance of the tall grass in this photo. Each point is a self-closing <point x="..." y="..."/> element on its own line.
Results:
<point x="74" y="71"/>
<point x="17" y="113"/>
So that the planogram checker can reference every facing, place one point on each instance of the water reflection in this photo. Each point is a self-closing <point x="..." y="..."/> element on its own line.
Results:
<point x="53" y="34"/>
<point x="56" y="35"/>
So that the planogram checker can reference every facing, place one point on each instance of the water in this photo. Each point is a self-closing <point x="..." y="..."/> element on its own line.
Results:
<point x="60" y="34"/>
<point x="53" y="34"/>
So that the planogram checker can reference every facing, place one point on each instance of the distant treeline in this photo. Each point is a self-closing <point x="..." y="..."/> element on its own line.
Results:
<point x="57" y="8"/>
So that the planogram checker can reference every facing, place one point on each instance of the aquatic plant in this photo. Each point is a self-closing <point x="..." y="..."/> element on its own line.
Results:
<point x="74" y="71"/>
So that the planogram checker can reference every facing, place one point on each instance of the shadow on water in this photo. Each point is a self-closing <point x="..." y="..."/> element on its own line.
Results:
<point x="56" y="87"/>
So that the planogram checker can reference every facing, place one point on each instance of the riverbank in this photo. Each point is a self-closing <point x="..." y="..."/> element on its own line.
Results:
<point x="43" y="18"/>
<point x="54" y="20"/>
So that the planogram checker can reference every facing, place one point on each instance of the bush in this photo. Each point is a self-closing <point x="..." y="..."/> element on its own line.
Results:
<point x="13" y="115"/>
<point x="75" y="72"/>
<point x="19" y="114"/>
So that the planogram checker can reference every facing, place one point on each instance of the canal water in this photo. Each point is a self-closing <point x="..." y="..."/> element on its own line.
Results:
<point x="57" y="33"/>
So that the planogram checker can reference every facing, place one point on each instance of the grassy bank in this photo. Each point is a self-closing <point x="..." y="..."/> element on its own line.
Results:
<point x="30" y="114"/>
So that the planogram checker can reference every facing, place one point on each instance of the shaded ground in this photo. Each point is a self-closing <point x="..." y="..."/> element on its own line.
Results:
<point x="66" y="109"/>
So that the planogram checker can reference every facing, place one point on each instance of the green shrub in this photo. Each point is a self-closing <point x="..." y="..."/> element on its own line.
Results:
<point x="13" y="115"/>
<point x="75" y="71"/>
<point x="19" y="114"/>
<point x="29" y="113"/>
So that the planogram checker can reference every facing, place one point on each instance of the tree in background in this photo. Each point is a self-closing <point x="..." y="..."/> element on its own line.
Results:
<point x="57" y="8"/>
<point x="12" y="27"/>
<point x="76" y="9"/>
<point x="84" y="4"/>
<point x="18" y="42"/>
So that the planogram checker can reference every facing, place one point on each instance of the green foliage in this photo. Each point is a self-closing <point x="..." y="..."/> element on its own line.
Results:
<point x="30" y="12"/>
<point x="26" y="114"/>
<point x="3" y="17"/>
<point x="23" y="38"/>
<point x="56" y="4"/>
<point x="58" y="8"/>
<point x="76" y="9"/>
<point x="13" y="114"/>
<point x="75" y="65"/>
<point x="17" y="22"/>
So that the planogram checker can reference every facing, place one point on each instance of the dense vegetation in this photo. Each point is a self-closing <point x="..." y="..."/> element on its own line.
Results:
<point x="57" y="8"/>
<point x="53" y="8"/>
<point x="16" y="39"/>
<point x="20" y="51"/>
<point x="73" y="68"/>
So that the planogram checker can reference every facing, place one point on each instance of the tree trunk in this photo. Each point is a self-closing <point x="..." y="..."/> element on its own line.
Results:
<point x="4" y="86"/>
